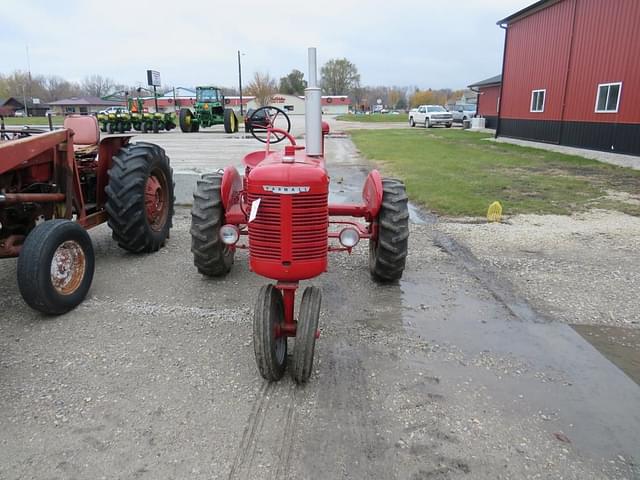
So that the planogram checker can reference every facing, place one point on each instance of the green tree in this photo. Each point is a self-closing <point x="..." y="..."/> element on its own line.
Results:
<point x="339" y="77"/>
<point x="293" y="84"/>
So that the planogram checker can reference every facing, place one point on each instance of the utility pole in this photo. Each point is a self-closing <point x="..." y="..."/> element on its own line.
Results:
<point x="24" y="99"/>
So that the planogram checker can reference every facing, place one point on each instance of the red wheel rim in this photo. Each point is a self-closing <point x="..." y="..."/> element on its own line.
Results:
<point x="156" y="201"/>
<point x="68" y="266"/>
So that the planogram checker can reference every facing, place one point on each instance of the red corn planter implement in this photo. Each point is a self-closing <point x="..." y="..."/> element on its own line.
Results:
<point x="282" y="206"/>
<point x="55" y="185"/>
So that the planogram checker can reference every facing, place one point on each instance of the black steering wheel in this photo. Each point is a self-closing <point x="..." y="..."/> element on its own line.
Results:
<point x="268" y="124"/>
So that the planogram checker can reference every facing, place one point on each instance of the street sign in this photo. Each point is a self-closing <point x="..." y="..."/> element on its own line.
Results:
<point x="153" y="78"/>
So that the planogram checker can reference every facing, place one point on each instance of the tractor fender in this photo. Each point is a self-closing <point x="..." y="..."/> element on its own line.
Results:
<point x="231" y="187"/>
<point x="372" y="193"/>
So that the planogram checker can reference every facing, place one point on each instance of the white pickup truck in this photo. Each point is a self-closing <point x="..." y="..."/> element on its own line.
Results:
<point x="430" y="115"/>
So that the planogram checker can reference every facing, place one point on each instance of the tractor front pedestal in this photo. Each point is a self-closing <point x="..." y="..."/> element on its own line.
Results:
<point x="274" y="322"/>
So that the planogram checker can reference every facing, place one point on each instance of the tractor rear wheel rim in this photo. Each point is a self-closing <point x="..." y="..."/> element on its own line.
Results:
<point x="156" y="201"/>
<point x="68" y="267"/>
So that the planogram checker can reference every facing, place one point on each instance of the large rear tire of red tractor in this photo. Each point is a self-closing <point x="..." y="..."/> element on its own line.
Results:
<point x="269" y="347"/>
<point x="56" y="266"/>
<point x="388" y="252"/>
<point x="230" y="121"/>
<point x="140" y="197"/>
<point x="185" y="119"/>
<point x="306" y="334"/>
<point x="212" y="257"/>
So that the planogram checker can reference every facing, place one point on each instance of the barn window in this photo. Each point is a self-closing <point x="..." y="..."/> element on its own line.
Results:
<point x="537" y="100"/>
<point x="608" y="98"/>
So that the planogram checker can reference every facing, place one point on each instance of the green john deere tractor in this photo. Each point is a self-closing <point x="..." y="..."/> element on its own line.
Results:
<point x="208" y="110"/>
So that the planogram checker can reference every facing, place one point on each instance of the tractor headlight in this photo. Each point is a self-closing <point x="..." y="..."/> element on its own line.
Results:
<point x="349" y="237"/>
<point x="229" y="234"/>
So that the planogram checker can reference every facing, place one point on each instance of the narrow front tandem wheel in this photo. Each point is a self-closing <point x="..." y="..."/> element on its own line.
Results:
<point x="306" y="334"/>
<point x="269" y="340"/>
<point x="273" y="322"/>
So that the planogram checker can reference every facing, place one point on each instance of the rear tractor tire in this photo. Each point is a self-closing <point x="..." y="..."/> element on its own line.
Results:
<point x="230" y="121"/>
<point x="388" y="252"/>
<point x="55" y="267"/>
<point x="185" y="119"/>
<point x="155" y="126"/>
<point x="211" y="257"/>
<point x="270" y="349"/>
<point x="140" y="197"/>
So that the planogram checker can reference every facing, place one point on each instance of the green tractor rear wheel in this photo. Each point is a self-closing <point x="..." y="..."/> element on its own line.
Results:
<point x="186" y="120"/>
<point x="230" y="121"/>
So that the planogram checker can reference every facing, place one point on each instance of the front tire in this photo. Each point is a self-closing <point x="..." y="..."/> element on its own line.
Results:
<point x="140" y="197"/>
<point x="306" y="334"/>
<point x="412" y="123"/>
<point x="427" y="123"/>
<point x="388" y="252"/>
<point x="55" y="267"/>
<point x="269" y="348"/>
<point x="212" y="257"/>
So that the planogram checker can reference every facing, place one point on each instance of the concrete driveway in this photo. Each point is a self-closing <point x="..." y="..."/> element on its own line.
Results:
<point x="445" y="375"/>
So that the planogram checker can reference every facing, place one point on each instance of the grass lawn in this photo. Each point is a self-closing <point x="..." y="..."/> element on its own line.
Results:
<point x="12" y="121"/>
<point x="458" y="173"/>
<point x="376" y="118"/>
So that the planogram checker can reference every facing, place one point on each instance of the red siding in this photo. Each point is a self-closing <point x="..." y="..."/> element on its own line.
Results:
<point x="541" y="53"/>
<point x="536" y="56"/>
<point x="606" y="49"/>
<point x="488" y="101"/>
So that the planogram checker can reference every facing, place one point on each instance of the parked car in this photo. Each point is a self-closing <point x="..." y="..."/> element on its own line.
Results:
<point x="115" y="109"/>
<point x="464" y="112"/>
<point x="259" y="120"/>
<point x="430" y="115"/>
<point x="19" y="113"/>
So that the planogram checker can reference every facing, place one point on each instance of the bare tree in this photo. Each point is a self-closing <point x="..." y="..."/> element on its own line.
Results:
<point x="98" y="86"/>
<point x="262" y="87"/>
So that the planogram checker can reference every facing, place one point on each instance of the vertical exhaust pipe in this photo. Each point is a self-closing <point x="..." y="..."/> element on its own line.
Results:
<point x="313" y="109"/>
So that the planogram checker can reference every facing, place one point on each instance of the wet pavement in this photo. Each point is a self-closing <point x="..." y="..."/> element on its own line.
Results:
<point x="448" y="374"/>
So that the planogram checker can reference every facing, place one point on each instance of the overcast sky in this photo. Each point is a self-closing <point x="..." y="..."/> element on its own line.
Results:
<point x="428" y="43"/>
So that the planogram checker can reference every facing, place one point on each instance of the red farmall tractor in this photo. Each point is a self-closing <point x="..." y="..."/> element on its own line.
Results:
<point x="55" y="185"/>
<point x="282" y="206"/>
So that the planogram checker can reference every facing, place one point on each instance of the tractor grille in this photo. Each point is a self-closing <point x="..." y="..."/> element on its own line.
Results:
<point x="308" y="217"/>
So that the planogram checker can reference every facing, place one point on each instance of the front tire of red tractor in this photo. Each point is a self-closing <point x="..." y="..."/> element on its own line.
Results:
<point x="212" y="257"/>
<point x="270" y="348"/>
<point x="55" y="267"/>
<point x="230" y="121"/>
<point x="308" y="318"/>
<point x="140" y="197"/>
<point x="388" y="253"/>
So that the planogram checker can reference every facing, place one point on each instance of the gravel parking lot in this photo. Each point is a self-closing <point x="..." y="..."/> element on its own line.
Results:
<point x="437" y="377"/>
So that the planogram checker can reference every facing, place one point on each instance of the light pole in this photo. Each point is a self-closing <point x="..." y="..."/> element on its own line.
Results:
<point x="240" y="83"/>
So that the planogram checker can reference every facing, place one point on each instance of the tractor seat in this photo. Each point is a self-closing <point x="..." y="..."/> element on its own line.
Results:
<point x="252" y="159"/>
<point x="85" y="128"/>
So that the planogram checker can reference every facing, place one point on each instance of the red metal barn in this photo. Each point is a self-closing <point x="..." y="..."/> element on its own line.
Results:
<point x="571" y="74"/>
<point x="488" y="97"/>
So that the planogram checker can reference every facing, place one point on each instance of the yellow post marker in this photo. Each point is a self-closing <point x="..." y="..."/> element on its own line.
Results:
<point x="494" y="214"/>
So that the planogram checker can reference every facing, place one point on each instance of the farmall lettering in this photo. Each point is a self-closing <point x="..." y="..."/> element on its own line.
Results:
<point x="280" y="212"/>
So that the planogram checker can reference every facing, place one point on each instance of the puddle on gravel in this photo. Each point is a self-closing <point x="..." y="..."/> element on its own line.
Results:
<point x="620" y="345"/>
